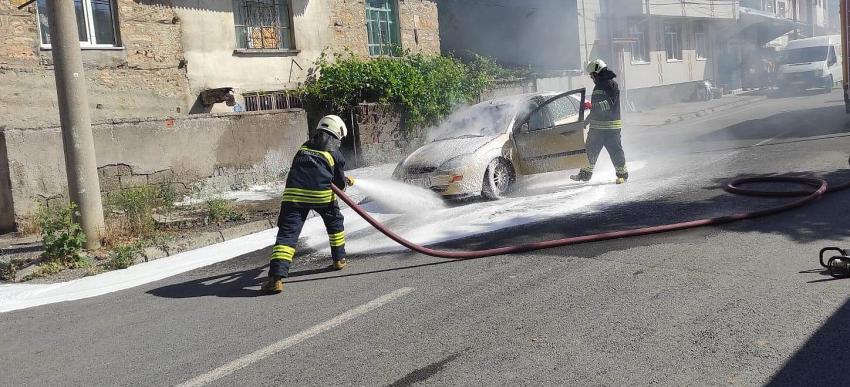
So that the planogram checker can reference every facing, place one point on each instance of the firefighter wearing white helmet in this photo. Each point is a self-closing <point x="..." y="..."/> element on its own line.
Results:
<point x="605" y="123"/>
<point x="316" y="166"/>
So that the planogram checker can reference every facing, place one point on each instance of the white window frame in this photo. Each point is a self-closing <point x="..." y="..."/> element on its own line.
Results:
<point x="90" y="31"/>
<point x="675" y="37"/>
<point x="701" y="53"/>
<point x="639" y="31"/>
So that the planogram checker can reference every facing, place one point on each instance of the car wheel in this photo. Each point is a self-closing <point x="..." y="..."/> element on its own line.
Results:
<point x="499" y="179"/>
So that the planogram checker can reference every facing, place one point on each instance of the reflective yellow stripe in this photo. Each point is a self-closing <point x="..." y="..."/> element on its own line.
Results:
<point x="618" y="124"/>
<point x="308" y="192"/>
<point x="282" y="253"/>
<point x="337" y="239"/>
<point x="299" y="195"/>
<point x="298" y="199"/>
<point x="327" y="155"/>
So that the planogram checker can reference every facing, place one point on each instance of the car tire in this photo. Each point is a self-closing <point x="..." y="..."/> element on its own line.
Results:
<point x="499" y="179"/>
<point x="827" y="86"/>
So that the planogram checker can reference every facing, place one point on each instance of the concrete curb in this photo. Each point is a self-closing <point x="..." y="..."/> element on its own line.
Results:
<point x="698" y="113"/>
<point x="182" y="245"/>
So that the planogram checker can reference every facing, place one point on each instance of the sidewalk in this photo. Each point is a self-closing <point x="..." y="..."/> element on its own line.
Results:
<point x="683" y="111"/>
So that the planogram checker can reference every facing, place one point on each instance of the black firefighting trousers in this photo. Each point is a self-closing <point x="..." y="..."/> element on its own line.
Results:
<point x="291" y="221"/>
<point x="611" y="140"/>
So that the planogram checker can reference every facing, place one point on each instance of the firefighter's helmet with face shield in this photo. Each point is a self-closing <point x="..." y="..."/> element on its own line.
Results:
<point x="595" y="66"/>
<point x="333" y="125"/>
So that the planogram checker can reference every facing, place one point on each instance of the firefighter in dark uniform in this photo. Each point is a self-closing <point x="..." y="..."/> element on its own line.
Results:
<point x="316" y="166"/>
<point x="605" y="123"/>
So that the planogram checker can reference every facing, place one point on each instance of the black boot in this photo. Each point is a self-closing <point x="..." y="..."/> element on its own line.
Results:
<point x="583" y="176"/>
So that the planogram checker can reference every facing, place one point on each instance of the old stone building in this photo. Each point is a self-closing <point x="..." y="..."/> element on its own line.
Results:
<point x="152" y="64"/>
<point x="261" y="49"/>
<point x="153" y="58"/>
<point x="132" y="54"/>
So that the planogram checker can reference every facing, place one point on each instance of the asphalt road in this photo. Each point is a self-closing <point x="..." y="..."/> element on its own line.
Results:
<point x="741" y="304"/>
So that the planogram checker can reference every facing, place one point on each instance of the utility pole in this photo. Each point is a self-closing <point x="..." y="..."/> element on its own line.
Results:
<point x="74" y="115"/>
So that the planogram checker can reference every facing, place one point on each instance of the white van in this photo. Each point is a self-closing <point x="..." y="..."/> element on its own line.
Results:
<point x="810" y="63"/>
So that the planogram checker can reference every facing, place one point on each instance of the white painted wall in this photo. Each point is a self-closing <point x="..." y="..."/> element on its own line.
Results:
<point x="704" y="8"/>
<point x="209" y="41"/>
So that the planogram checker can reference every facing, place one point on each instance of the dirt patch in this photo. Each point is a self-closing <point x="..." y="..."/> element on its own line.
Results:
<point x="182" y="229"/>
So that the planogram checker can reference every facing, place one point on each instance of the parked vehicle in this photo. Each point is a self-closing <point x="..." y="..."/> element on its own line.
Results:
<point x="482" y="149"/>
<point x="810" y="63"/>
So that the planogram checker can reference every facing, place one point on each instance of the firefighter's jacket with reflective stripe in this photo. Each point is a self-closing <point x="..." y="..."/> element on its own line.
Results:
<point x="605" y="113"/>
<point x="310" y="178"/>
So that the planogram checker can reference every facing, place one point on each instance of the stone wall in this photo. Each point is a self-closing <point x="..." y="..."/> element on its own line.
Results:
<point x="418" y="25"/>
<point x="145" y="78"/>
<point x="196" y="153"/>
<point x="382" y="135"/>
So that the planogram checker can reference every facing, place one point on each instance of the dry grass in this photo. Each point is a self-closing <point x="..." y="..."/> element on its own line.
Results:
<point x="28" y="226"/>
<point x="118" y="232"/>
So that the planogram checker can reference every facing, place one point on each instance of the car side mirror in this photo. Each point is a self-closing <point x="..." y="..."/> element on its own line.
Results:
<point x="523" y="128"/>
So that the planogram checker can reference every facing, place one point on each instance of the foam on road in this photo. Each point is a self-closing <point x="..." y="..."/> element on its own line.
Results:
<point x="544" y="197"/>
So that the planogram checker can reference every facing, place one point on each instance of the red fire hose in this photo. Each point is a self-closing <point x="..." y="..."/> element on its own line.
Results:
<point x="818" y="188"/>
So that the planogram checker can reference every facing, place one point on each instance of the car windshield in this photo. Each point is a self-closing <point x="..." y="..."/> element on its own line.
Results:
<point x="486" y="119"/>
<point x="803" y="55"/>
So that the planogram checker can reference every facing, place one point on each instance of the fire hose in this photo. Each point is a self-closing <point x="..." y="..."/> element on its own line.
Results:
<point x="817" y="188"/>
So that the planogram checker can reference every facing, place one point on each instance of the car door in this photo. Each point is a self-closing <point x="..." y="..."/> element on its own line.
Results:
<point x="551" y="137"/>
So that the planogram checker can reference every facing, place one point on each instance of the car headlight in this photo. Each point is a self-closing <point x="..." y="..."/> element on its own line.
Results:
<point x="458" y="162"/>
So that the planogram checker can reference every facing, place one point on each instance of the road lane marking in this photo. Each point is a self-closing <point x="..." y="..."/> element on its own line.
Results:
<point x="760" y="143"/>
<point x="281" y="345"/>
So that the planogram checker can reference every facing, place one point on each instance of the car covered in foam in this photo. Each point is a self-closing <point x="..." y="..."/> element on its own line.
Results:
<point x="484" y="148"/>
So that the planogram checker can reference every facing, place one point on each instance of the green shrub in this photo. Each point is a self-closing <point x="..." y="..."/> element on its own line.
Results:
<point x="124" y="256"/>
<point x="167" y="195"/>
<point x="137" y="206"/>
<point x="426" y="87"/>
<point x="63" y="238"/>
<point x="221" y="210"/>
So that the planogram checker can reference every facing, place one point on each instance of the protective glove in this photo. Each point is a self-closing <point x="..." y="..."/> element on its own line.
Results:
<point x="349" y="181"/>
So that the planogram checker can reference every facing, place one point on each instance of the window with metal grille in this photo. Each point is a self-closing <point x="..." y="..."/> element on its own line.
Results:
<point x="96" y="23"/>
<point x="382" y="27"/>
<point x="271" y="100"/>
<point x="672" y="42"/>
<point x="263" y="24"/>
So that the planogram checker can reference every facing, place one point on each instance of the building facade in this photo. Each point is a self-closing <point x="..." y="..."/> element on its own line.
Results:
<point x="158" y="58"/>
<point x="661" y="50"/>
<point x="262" y="49"/>
<point x="132" y="53"/>
<point x="150" y="64"/>
<point x="652" y="46"/>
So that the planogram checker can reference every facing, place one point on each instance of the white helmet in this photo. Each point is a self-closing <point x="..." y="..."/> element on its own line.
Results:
<point x="333" y="125"/>
<point x="595" y="66"/>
